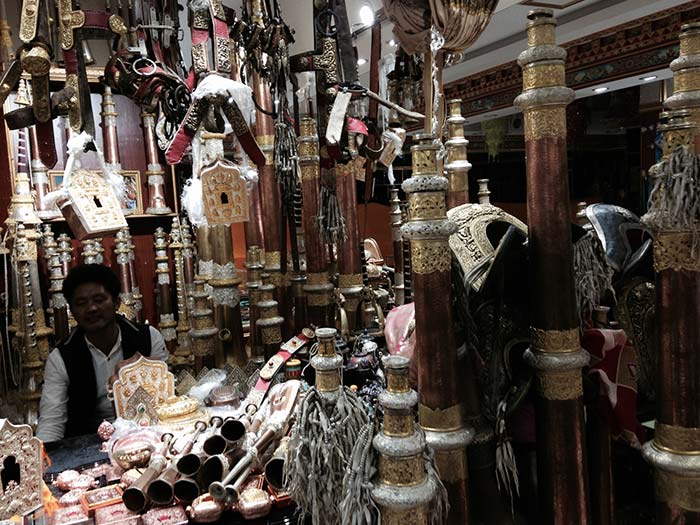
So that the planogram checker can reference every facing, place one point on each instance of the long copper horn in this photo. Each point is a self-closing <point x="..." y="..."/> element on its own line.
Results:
<point x="274" y="468"/>
<point x="189" y="463"/>
<point x="135" y="497"/>
<point x="186" y="489"/>
<point x="229" y="435"/>
<point x="227" y="488"/>
<point x="162" y="489"/>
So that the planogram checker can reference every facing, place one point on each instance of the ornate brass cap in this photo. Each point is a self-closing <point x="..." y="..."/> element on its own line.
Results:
<point x="397" y="374"/>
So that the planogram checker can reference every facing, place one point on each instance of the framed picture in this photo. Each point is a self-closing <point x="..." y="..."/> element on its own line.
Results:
<point x="133" y="198"/>
<point x="55" y="179"/>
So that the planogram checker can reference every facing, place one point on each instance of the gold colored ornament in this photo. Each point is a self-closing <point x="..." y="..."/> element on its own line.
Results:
<point x="559" y="341"/>
<point x="224" y="193"/>
<point x="413" y="516"/>
<point x="176" y="406"/>
<point x="398" y="425"/>
<point x="558" y="386"/>
<point x="543" y="122"/>
<point x="452" y="465"/>
<point x="401" y="471"/>
<point x="68" y="21"/>
<point x="151" y="375"/>
<point x="352" y="280"/>
<point x="686" y="80"/>
<point x="428" y="256"/>
<point x="677" y="440"/>
<point x="441" y="419"/>
<point x="678" y="491"/>
<point x="427" y="205"/>
<point x="539" y="74"/>
<point x="674" y="251"/>
<point x="327" y="381"/>
<point x="544" y="34"/>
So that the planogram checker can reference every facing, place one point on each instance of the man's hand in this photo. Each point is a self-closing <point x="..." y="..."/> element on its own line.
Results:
<point x="120" y="365"/>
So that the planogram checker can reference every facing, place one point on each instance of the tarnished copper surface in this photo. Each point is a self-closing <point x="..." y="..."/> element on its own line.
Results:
<point x="551" y="253"/>
<point x="562" y="469"/>
<point x="437" y="380"/>
<point x="254" y="227"/>
<point x="678" y="331"/>
<point x="349" y="261"/>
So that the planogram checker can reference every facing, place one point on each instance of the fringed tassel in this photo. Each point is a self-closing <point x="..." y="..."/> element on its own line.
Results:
<point x="286" y="160"/>
<point x="674" y="203"/>
<point x="506" y="467"/>
<point x="592" y="272"/>
<point x="330" y="218"/>
<point x="357" y="507"/>
<point x="440" y="506"/>
<point x="319" y="452"/>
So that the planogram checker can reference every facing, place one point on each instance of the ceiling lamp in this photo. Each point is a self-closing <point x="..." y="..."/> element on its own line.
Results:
<point x="367" y="15"/>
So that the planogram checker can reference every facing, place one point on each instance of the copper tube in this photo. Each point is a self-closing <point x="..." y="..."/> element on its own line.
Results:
<point x="135" y="497"/>
<point x="253" y="228"/>
<point x="161" y="489"/>
<point x="40" y="177"/>
<point x="190" y="460"/>
<point x="227" y="487"/>
<point x="562" y="470"/>
<point x="186" y="489"/>
<point x="349" y="260"/>
<point x="600" y="474"/>
<point x="155" y="172"/>
<point x="228" y="437"/>
<point x="230" y="346"/>
<point x="274" y="468"/>
<point x="318" y="287"/>
<point x="110" y="138"/>
<point x="270" y="197"/>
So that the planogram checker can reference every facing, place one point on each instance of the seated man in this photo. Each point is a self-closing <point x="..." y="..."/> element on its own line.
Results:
<point x="74" y="399"/>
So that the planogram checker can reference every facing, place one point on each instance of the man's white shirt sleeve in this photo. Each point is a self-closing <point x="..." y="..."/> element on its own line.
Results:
<point x="53" y="409"/>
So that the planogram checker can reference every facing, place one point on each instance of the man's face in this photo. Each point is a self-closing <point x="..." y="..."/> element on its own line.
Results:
<point x="93" y="307"/>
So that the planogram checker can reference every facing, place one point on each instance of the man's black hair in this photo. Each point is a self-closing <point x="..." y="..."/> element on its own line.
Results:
<point x="90" y="273"/>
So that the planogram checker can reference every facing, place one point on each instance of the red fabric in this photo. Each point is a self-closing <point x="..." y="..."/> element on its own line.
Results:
<point x="614" y="368"/>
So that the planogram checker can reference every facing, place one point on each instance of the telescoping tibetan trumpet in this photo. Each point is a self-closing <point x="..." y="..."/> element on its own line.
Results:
<point x="135" y="497"/>
<point x="162" y="489"/>
<point x="277" y="410"/>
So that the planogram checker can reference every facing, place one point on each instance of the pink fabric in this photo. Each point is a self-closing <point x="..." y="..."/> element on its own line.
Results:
<point x="614" y="368"/>
<point x="399" y="330"/>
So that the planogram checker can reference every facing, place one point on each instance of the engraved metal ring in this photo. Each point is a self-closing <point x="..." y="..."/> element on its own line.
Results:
<point x="149" y="63"/>
<point x="331" y="18"/>
<point x="224" y="334"/>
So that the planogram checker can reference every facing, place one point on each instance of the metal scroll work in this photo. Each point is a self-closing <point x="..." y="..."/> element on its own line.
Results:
<point x="224" y="193"/>
<point x="92" y="209"/>
<point x="20" y="469"/>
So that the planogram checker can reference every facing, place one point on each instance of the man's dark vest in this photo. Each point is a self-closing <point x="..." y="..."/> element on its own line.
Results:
<point x="82" y="386"/>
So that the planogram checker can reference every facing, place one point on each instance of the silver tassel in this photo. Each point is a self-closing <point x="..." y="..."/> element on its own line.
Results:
<point x="592" y="272"/>
<point x="506" y="468"/>
<point x="330" y="218"/>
